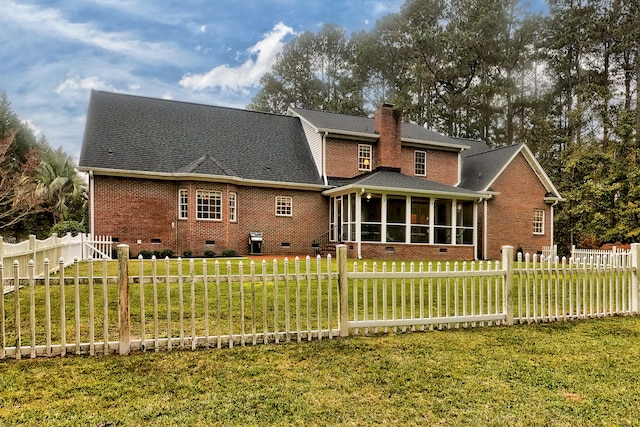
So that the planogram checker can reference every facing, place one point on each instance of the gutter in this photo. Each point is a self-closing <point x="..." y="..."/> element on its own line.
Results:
<point x="172" y="176"/>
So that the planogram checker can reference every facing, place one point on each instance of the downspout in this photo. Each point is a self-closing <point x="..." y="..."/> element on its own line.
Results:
<point x="552" y="221"/>
<point x="91" y="205"/>
<point x="484" y="229"/>
<point x="324" y="158"/>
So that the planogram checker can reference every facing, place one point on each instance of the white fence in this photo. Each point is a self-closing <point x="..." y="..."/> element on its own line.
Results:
<point x="613" y="255"/>
<point x="97" y="307"/>
<point x="68" y="247"/>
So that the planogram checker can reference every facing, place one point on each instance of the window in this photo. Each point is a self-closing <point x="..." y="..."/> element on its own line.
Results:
<point x="183" y="204"/>
<point x="420" y="163"/>
<point x="538" y="221"/>
<point x="284" y="206"/>
<point x="364" y="157"/>
<point x="209" y="205"/>
<point x="233" y="199"/>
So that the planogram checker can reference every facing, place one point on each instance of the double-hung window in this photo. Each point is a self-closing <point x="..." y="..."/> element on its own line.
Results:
<point x="420" y="163"/>
<point x="183" y="204"/>
<point x="233" y="207"/>
<point x="364" y="157"/>
<point x="284" y="206"/>
<point x="209" y="205"/>
<point x="538" y="221"/>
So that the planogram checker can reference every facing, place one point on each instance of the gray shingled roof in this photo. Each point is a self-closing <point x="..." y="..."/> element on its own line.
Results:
<point x="342" y="122"/>
<point x="480" y="170"/>
<point x="391" y="179"/>
<point x="134" y="133"/>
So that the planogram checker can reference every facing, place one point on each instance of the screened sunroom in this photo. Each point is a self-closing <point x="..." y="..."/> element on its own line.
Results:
<point x="390" y="208"/>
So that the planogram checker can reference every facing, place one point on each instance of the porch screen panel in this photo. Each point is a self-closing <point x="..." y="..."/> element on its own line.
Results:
<point x="420" y="219"/>
<point x="396" y="219"/>
<point x="371" y="218"/>
<point x="442" y="221"/>
<point x="464" y="223"/>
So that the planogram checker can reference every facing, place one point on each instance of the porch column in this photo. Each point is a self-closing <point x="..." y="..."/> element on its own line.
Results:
<point x="358" y="224"/>
<point x="454" y="222"/>
<point x="407" y="220"/>
<point x="432" y="210"/>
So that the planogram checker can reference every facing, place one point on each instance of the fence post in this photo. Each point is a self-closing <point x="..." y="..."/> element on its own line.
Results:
<point x="123" y="299"/>
<point x="507" y="292"/>
<point x="635" y="264"/>
<point x="343" y="287"/>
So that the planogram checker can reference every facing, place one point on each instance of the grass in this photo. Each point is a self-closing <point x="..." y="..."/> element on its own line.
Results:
<point x="571" y="373"/>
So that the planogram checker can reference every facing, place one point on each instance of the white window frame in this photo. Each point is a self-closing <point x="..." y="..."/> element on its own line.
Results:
<point x="183" y="203"/>
<point x="420" y="162"/>
<point x="364" y="157"/>
<point x="284" y="206"/>
<point x="214" y="207"/>
<point x="538" y="221"/>
<point x="233" y="207"/>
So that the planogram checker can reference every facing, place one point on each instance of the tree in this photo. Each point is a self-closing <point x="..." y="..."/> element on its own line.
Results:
<point x="60" y="187"/>
<point x="17" y="183"/>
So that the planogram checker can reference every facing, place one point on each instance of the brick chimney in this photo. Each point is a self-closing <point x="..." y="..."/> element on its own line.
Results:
<point x="388" y="126"/>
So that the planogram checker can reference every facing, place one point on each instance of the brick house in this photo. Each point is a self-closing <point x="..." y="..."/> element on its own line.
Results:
<point x="183" y="176"/>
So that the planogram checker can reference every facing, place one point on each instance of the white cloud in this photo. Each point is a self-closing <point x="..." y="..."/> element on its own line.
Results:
<point x="51" y="23"/>
<point x="247" y="74"/>
<point x="76" y="83"/>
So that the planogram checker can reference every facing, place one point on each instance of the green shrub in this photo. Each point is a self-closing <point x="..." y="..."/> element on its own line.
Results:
<point x="227" y="253"/>
<point x="167" y="253"/>
<point x="187" y="253"/>
<point x="146" y="254"/>
<point x="209" y="253"/>
<point x="64" y="227"/>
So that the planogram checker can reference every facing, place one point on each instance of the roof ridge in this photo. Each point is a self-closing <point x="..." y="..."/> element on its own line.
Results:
<point x="493" y="150"/>
<point x="188" y="102"/>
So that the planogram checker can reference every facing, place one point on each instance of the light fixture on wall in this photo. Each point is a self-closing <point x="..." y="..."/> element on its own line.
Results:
<point x="368" y="196"/>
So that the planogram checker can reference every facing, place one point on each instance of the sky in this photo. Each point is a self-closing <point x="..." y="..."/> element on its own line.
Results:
<point x="52" y="53"/>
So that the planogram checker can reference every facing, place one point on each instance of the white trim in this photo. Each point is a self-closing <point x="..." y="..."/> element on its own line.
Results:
<point x="538" y="221"/>
<point x="289" y="207"/>
<point x="403" y="191"/>
<point x="424" y="162"/>
<point x="202" y="178"/>
<point x="180" y="191"/>
<point x="369" y="167"/>
<point x="233" y="214"/>
<point x="92" y="205"/>
<point x="218" y="195"/>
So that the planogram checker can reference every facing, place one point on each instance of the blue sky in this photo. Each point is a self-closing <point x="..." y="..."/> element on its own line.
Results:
<point x="52" y="53"/>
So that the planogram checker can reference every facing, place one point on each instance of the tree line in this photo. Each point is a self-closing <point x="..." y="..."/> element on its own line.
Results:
<point x="564" y="82"/>
<point x="40" y="189"/>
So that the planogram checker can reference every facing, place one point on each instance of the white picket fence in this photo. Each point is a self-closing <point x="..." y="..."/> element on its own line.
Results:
<point x="68" y="247"/>
<point x="98" y="307"/>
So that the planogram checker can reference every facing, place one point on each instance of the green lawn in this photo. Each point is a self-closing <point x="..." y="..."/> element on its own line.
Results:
<point x="564" y="374"/>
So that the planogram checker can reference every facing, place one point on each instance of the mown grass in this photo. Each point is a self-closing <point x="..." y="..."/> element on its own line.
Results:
<point x="571" y="373"/>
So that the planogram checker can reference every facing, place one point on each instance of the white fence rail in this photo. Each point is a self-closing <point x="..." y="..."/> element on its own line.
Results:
<point x="68" y="247"/>
<point x="97" y="307"/>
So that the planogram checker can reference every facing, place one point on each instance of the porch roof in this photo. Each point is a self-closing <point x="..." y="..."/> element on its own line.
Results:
<point x="386" y="180"/>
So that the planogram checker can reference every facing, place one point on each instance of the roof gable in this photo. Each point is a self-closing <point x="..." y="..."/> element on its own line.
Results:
<point x="133" y="133"/>
<point x="481" y="170"/>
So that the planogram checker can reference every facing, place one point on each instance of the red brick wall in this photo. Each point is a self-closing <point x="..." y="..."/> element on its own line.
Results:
<point x="407" y="251"/>
<point x="388" y="125"/>
<point x="133" y="209"/>
<point x="510" y="213"/>
<point x="342" y="158"/>
<point x="442" y="166"/>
